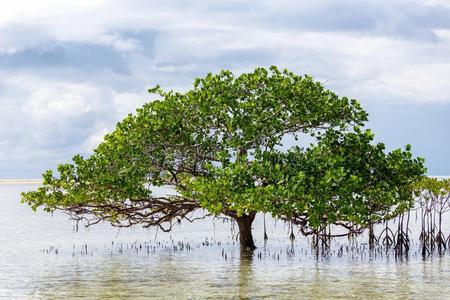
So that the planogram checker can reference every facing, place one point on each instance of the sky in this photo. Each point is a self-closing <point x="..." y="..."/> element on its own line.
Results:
<point x="70" y="70"/>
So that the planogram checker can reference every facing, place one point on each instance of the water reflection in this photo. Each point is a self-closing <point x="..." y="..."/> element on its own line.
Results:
<point x="245" y="274"/>
<point x="279" y="268"/>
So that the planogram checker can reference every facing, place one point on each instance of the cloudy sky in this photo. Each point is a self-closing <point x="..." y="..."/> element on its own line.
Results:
<point x="69" y="70"/>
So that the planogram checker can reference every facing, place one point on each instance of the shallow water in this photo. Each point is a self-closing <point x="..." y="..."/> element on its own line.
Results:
<point x="42" y="256"/>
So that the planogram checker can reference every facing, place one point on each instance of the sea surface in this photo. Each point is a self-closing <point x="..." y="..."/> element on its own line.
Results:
<point x="42" y="256"/>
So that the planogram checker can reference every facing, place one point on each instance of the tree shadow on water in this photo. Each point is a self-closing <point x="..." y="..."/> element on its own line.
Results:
<point x="245" y="276"/>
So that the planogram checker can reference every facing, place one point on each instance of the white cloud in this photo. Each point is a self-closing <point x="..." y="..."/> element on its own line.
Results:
<point x="57" y="119"/>
<point x="25" y="10"/>
<point x="94" y="140"/>
<point x="371" y="68"/>
<point x="60" y="101"/>
<point x="119" y="43"/>
<point x="390" y="52"/>
<point x="127" y="102"/>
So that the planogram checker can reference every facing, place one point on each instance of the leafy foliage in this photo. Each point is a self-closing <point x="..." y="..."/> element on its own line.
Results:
<point x="429" y="188"/>
<point x="222" y="146"/>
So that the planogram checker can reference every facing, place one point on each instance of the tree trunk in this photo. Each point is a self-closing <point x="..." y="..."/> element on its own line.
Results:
<point x="371" y="237"/>
<point x="245" y="232"/>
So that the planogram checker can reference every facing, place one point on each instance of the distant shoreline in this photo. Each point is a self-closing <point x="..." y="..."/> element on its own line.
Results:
<point x="20" y="181"/>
